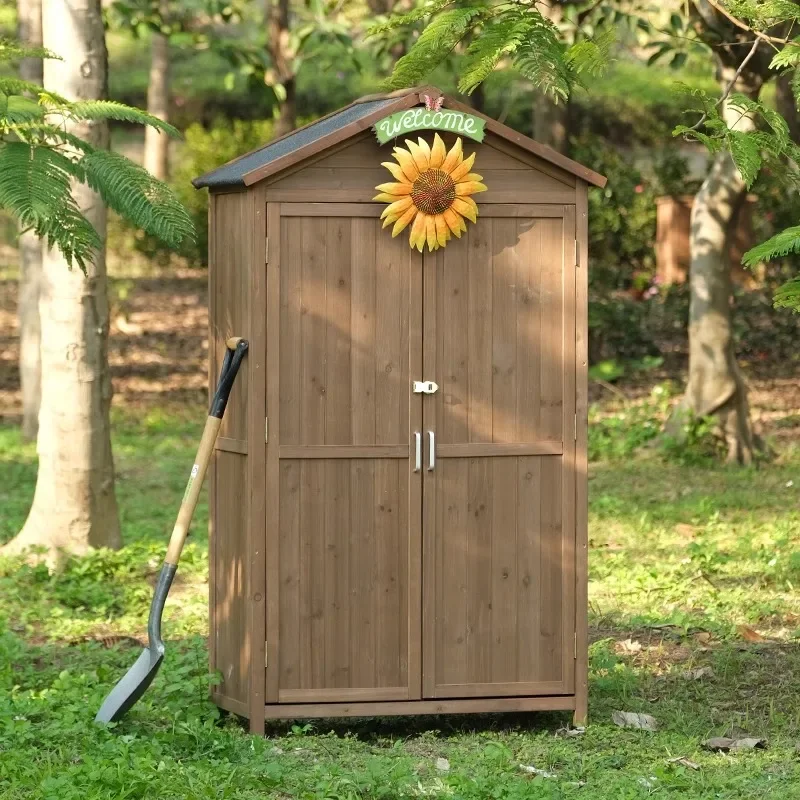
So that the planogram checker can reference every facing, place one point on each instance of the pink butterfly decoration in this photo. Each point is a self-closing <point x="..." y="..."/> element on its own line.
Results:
<point x="433" y="105"/>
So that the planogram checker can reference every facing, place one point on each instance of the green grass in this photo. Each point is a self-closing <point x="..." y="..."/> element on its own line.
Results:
<point x="682" y="554"/>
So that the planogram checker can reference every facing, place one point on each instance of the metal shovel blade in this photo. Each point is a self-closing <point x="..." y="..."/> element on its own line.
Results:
<point x="132" y="686"/>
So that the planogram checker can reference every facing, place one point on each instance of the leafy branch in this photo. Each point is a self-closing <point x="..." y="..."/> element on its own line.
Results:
<point x="40" y="160"/>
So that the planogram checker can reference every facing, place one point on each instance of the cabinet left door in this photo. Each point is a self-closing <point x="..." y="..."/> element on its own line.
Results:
<point x="344" y="328"/>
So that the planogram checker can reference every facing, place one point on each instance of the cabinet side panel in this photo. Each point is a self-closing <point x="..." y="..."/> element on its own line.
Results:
<point x="229" y="264"/>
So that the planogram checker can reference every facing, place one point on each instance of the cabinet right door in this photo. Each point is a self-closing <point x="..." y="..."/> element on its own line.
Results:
<point x="499" y="488"/>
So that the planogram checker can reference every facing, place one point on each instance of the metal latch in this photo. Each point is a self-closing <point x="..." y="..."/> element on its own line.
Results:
<point x="425" y="387"/>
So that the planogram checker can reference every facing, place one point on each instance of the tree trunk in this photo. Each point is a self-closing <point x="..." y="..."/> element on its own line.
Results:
<point x="715" y="385"/>
<point x="551" y="120"/>
<point x="156" y="144"/>
<point x="74" y="505"/>
<point x="282" y="63"/>
<point x="29" y="16"/>
<point x="551" y="123"/>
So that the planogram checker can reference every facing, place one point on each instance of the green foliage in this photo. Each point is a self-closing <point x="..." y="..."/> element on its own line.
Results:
<point x="39" y="161"/>
<point x="490" y="32"/>
<point x="202" y="150"/>
<point x="676" y="551"/>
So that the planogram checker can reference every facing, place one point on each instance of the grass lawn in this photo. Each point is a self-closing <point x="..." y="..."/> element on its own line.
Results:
<point x="682" y="556"/>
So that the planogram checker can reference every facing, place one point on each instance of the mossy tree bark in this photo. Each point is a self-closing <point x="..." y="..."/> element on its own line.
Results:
<point x="74" y="505"/>
<point x="29" y="29"/>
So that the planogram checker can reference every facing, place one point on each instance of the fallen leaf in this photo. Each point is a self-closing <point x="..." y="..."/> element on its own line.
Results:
<point x="726" y="744"/>
<point x="748" y="743"/>
<point x="704" y="637"/>
<point x="697" y="674"/>
<point x="684" y="762"/>
<point x="578" y="730"/>
<point x="630" y="719"/>
<point x="542" y="773"/>
<point x="749" y="635"/>
<point x="718" y="743"/>
<point x="443" y="765"/>
<point x="629" y="647"/>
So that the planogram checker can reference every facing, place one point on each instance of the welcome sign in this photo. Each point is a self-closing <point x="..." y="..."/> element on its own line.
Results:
<point x="415" y="119"/>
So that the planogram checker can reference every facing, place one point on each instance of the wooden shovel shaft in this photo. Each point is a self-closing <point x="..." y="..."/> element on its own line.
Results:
<point x="193" y="487"/>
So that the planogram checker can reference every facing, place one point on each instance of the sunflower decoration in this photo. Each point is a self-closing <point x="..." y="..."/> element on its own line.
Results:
<point x="431" y="193"/>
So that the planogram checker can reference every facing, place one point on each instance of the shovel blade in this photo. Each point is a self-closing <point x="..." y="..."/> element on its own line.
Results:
<point x="132" y="685"/>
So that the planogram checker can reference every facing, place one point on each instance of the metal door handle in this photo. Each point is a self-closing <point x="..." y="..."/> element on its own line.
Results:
<point x="431" y="451"/>
<point x="425" y="387"/>
<point x="417" y="451"/>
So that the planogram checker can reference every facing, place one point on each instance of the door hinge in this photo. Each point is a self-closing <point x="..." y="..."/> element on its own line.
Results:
<point x="266" y="429"/>
<point x="266" y="250"/>
<point x="266" y="654"/>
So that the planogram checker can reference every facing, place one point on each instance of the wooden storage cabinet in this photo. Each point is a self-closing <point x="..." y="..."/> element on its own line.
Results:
<point x="375" y="550"/>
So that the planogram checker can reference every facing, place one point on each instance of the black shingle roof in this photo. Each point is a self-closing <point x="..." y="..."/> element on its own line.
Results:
<point x="232" y="173"/>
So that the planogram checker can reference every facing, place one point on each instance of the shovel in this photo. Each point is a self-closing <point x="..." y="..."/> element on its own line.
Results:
<point x="141" y="674"/>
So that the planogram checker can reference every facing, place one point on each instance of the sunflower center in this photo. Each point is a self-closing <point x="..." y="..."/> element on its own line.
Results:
<point x="433" y="192"/>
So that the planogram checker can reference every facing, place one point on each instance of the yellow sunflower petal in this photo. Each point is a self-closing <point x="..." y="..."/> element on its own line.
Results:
<point x="399" y="189"/>
<point x="396" y="171"/>
<point x="453" y="158"/>
<point x="462" y="206"/>
<point x="430" y="231"/>
<point x="425" y="148"/>
<point x="438" y="152"/>
<point x="441" y="230"/>
<point x="453" y="221"/>
<point x="473" y="176"/>
<point x="403" y="222"/>
<point x="397" y="207"/>
<point x="420" y="159"/>
<point x="472" y="187"/>
<point x="463" y="168"/>
<point x="406" y="162"/>
<point x="417" y="236"/>
<point x="385" y="198"/>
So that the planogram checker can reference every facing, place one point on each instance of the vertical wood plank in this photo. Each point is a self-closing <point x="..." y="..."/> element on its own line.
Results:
<point x="550" y="257"/>
<point x="255" y="326"/>
<point x="277" y="310"/>
<point x="529" y="539"/>
<point x="284" y="646"/>
<point x="568" y="474"/>
<point x="212" y="467"/>
<point x="581" y="465"/>
<point x="363" y="325"/>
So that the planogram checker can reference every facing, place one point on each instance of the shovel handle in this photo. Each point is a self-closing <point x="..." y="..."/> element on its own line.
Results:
<point x="235" y="349"/>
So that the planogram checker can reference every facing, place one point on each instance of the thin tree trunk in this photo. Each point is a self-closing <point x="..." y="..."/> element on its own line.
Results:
<point x="715" y="385"/>
<point x="74" y="505"/>
<point x="282" y="63"/>
<point x="156" y="144"/>
<point x="29" y="15"/>
<point x="551" y="120"/>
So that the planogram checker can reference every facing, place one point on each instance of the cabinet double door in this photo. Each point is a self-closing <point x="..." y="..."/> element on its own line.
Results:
<point x="420" y="543"/>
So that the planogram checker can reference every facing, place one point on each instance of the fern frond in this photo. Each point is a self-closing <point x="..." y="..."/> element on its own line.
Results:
<point x="540" y="57"/>
<point x="16" y="111"/>
<point x="745" y="151"/>
<point x="135" y="194"/>
<point x="788" y="295"/>
<point x="409" y="18"/>
<point x="500" y="37"/>
<point x="592" y="56"/>
<point x="788" y="55"/>
<point x="11" y="51"/>
<point x="109" y="109"/>
<point x="434" y="45"/>
<point x="781" y="244"/>
<point x="35" y="187"/>
<point x="37" y="132"/>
